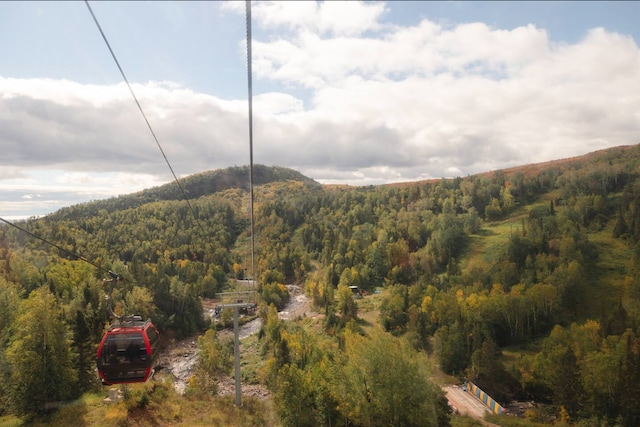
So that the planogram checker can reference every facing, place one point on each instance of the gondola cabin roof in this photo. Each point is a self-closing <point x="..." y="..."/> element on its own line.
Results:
<point x="123" y="327"/>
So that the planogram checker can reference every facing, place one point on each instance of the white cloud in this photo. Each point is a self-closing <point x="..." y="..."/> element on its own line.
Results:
<point x="64" y="92"/>
<point x="487" y="97"/>
<point x="336" y="18"/>
<point x="385" y="104"/>
<point x="11" y="172"/>
<point x="276" y="103"/>
<point x="312" y="60"/>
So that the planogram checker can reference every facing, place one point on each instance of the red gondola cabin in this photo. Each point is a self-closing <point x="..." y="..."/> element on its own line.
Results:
<point x="127" y="352"/>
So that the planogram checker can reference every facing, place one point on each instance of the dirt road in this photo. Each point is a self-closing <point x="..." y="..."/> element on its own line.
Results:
<point x="467" y="404"/>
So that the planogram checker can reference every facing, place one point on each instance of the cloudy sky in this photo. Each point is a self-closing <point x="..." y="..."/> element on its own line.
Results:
<point x="345" y="92"/>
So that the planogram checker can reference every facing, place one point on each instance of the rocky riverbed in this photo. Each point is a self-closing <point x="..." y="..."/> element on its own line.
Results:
<point x="179" y="358"/>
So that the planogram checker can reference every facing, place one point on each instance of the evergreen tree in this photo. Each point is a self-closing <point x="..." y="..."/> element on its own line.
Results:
<point x="9" y="301"/>
<point x="39" y="356"/>
<point x="84" y="353"/>
<point x="347" y="306"/>
<point x="566" y="383"/>
<point x="629" y="379"/>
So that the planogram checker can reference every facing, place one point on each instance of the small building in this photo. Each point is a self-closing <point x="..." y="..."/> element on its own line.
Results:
<point x="356" y="292"/>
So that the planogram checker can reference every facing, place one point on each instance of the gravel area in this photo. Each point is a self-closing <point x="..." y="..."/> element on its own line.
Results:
<point x="179" y="359"/>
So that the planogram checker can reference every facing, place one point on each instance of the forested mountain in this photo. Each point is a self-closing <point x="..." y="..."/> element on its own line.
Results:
<point x="191" y="187"/>
<point x="541" y="262"/>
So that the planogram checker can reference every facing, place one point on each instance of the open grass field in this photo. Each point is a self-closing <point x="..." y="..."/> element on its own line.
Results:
<point x="487" y="246"/>
<point x="605" y="281"/>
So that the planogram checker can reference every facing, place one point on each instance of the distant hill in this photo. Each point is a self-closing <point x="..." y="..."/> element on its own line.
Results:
<point x="605" y="155"/>
<point x="206" y="183"/>
<point x="532" y="169"/>
<point x="191" y="187"/>
<point x="237" y="177"/>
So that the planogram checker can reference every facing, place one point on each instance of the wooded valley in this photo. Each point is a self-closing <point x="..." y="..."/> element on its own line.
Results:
<point x="525" y="281"/>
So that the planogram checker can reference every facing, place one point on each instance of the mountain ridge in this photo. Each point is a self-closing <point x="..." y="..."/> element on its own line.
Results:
<point x="191" y="187"/>
<point x="237" y="177"/>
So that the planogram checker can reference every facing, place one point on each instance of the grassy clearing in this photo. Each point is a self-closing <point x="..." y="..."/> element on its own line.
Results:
<point x="489" y="244"/>
<point x="369" y="310"/>
<point x="512" y="357"/>
<point x="457" y="421"/>
<point x="511" y="421"/>
<point x="604" y="286"/>
<point x="155" y="404"/>
<point x="252" y="360"/>
<point x="486" y="247"/>
<point x="614" y="255"/>
<point x="10" y="421"/>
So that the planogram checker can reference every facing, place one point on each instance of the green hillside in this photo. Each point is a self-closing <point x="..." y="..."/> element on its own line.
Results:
<point x="525" y="281"/>
<point x="190" y="188"/>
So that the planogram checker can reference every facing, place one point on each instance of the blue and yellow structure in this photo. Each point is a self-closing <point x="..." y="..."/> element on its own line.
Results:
<point x="494" y="406"/>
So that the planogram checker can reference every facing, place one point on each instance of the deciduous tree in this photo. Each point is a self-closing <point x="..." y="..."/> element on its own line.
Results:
<point x="387" y="384"/>
<point x="39" y="355"/>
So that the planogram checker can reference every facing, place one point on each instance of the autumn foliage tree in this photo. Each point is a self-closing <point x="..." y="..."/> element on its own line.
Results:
<point x="39" y="356"/>
<point x="386" y="383"/>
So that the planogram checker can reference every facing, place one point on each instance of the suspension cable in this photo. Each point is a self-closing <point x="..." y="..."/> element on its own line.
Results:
<point x="115" y="277"/>
<point x="250" y="97"/>
<point x="144" y="116"/>
<point x="73" y="254"/>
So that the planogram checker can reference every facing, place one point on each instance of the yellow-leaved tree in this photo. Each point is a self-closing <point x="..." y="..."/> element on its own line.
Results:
<point x="39" y="356"/>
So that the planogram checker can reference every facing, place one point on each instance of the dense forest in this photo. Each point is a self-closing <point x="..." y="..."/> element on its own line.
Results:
<point x="525" y="281"/>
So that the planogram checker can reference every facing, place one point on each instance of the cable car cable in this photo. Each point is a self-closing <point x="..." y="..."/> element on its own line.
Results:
<point x="80" y="257"/>
<point x="144" y="116"/>
<point x="250" y="96"/>
<point x="73" y="254"/>
<point x="104" y="37"/>
<point x="114" y="276"/>
<point x="120" y="371"/>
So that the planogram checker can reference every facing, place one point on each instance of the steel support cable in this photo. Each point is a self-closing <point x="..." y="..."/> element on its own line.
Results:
<point x="73" y="254"/>
<point x="236" y="336"/>
<point x="114" y="277"/>
<point x="250" y="98"/>
<point x="144" y="116"/>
